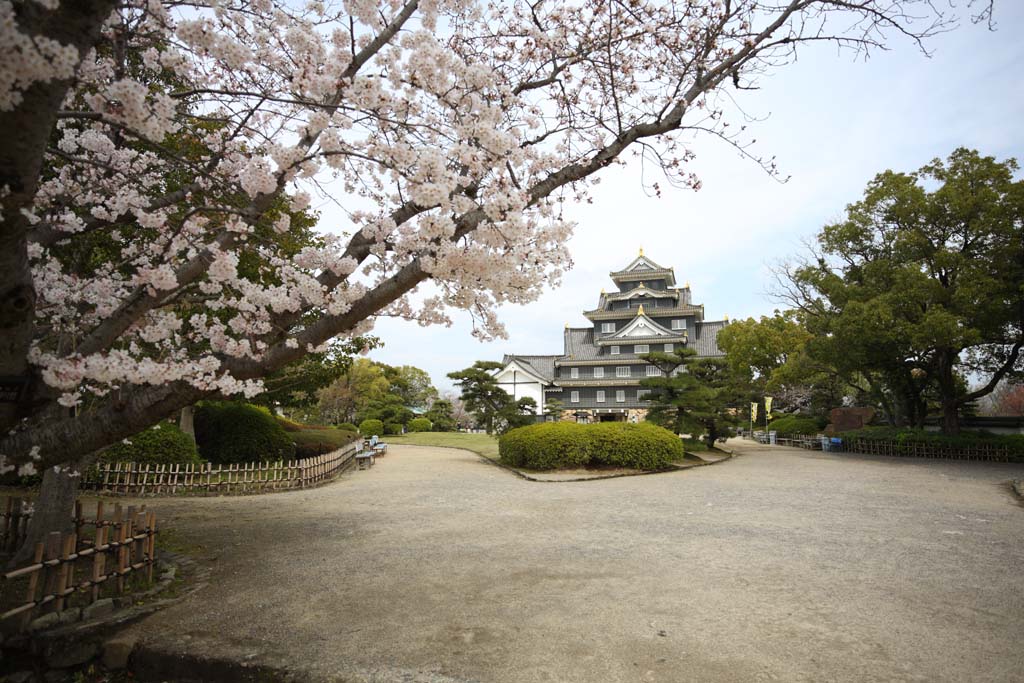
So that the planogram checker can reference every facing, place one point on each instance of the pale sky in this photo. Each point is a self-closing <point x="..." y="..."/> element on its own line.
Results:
<point x="832" y="124"/>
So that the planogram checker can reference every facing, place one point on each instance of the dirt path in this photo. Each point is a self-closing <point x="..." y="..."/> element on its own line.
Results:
<point x="779" y="565"/>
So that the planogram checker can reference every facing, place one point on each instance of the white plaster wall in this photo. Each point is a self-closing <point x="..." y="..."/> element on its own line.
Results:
<point x="525" y="386"/>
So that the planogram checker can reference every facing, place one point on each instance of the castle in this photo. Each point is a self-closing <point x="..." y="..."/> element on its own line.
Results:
<point x="597" y="376"/>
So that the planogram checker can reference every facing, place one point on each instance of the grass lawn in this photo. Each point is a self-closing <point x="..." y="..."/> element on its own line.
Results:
<point x="482" y="444"/>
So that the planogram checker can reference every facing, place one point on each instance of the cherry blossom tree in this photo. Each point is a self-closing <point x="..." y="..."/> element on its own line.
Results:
<point x="142" y="142"/>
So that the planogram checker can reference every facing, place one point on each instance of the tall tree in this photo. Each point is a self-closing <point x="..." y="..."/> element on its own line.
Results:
<point x="412" y="385"/>
<point x="492" y="406"/>
<point x="921" y="282"/>
<point x="771" y="355"/>
<point x="461" y="125"/>
<point x="362" y="384"/>
<point x="441" y="416"/>
<point x="699" y="396"/>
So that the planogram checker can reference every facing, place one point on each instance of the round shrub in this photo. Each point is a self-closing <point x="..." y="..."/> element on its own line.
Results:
<point x="553" y="445"/>
<point x="393" y="428"/>
<point x="162" y="444"/>
<point x="420" y="424"/>
<point x="371" y="427"/>
<point x="545" y="446"/>
<point x="238" y="432"/>
<point x="642" y="446"/>
<point x="348" y="427"/>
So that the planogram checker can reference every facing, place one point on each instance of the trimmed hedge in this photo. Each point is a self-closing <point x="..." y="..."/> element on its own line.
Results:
<point x="393" y="428"/>
<point x="420" y="424"/>
<point x="348" y="427"/>
<point x="238" y="432"/>
<point x="554" y="445"/>
<point x="795" y="424"/>
<point x="371" y="428"/>
<point x="162" y="444"/>
<point x="313" y="442"/>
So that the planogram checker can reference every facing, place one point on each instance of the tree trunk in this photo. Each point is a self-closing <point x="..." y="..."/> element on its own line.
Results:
<point x="950" y="417"/>
<point x="187" y="421"/>
<point x="948" y="393"/>
<point x="53" y="510"/>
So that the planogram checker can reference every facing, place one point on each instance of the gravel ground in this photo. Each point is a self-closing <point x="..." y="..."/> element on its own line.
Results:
<point x="780" y="564"/>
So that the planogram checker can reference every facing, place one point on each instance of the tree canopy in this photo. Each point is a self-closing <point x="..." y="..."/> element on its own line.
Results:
<point x="178" y="134"/>
<point x="922" y="284"/>
<point x="493" y="407"/>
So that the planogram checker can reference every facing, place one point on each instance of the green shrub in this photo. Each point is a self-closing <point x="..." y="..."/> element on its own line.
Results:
<point x="795" y="424"/>
<point x="420" y="424"/>
<point x="312" y="442"/>
<point x="348" y="427"/>
<point x="393" y="428"/>
<point x="644" y="446"/>
<point x="371" y="428"/>
<point x="237" y="432"/>
<point x="545" y="446"/>
<point x="162" y="444"/>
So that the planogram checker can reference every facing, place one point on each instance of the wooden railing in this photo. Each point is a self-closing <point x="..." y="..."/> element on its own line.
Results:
<point x="99" y="550"/>
<point x="915" y="449"/>
<point x="255" y="477"/>
<point x="901" y="449"/>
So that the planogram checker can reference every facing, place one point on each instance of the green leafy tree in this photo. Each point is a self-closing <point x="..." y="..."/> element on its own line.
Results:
<point x="411" y="384"/>
<point x="389" y="409"/>
<point x="771" y="356"/>
<point x="696" y="396"/>
<point x="441" y="416"/>
<point x="495" y="410"/>
<point x="553" y="408"/>
<point x="363" y="384"/>
<point x="920" y="285"/>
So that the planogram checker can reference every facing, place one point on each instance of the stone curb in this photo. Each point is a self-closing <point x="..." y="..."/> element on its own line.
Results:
<point x="527" y="477"/>
<point x="1018" y="487"/>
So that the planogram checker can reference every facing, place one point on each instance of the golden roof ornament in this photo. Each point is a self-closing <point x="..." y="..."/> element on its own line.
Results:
<point x="641" y="251"/>
<point x="640" y="311"/>
<point x="567" y="326"/>
<point x="726" y="318"/>
<point x="687" y="285"/>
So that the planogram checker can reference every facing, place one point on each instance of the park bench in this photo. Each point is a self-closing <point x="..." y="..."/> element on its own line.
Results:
<point x="378" y="448"/>
<point x="364" y="459"/>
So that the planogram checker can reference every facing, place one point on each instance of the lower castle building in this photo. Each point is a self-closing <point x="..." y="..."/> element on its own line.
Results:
<point x="597" y="376"/>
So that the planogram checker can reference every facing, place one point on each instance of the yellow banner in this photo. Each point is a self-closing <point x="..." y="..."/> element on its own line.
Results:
<point x="753" y="411"/>
<point x="768" y="406"/>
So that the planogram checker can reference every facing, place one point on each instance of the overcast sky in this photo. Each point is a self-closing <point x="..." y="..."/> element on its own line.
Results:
<point x="832" y="123"/>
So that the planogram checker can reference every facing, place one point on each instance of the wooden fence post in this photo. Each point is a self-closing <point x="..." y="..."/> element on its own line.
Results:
<point x="33" y="581"/>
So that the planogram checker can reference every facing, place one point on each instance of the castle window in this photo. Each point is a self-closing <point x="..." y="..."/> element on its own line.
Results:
<point x="669" y="348"/>
<point x="652" y="371"/>
<point x="620" y="396"/>
<point x="641" y="348"/>
<point x="622" y="371"/>
<point x="574" y="397"/>
<point x="574" y="373"/>
<point x="598" y="373"/>
<point x="615" y="350"/>
<point x="679" y="324"/>
<point x="600" y="396"/>
<point x="607" y="328"/>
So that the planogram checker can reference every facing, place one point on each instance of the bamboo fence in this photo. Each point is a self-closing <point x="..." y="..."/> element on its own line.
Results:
<point x="902" y="449"/>
<point x="913" y="449"/>
<point x="123" y="544"/>
<point x="13" y="524"/>
<point x="253" y="477"/>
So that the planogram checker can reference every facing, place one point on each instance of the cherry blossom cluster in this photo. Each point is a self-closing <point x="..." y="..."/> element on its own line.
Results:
<point x="170" y="236"/>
